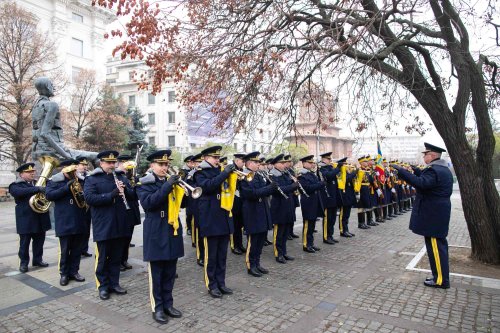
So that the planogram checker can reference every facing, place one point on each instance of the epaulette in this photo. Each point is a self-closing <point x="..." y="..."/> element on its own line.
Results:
<point x="148" y="179"/>
<point x="58" y="177"/>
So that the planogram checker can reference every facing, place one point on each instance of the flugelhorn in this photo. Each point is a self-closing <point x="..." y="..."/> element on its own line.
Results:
<point x="195" y="192"/>
<point x="248" y="176"/>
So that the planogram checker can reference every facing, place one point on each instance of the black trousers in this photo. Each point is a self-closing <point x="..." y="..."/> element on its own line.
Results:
<point x="345" y="213"/>
<point x="254" y="249"/>
<point x="126" y="246"/>
<point x="237" y="236"/>
<point x="37" y="248"/>
<point x="215" y="261"/>
<point x="437" y="251"/>
<point x="70" y="251"/>
<point x="85" y="247"/>
<point x="308" y="233"/>
<point x="161" y="283"/>
<point x="329" y="222"/>
<point x="280" y="237"/>
<point x="200" y="244"/>
<point x="108" y="258"/>
<point x="189" y="220"/>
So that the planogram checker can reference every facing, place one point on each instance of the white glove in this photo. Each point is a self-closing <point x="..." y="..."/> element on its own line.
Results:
<point x="379" y="192"/>
<point x="393" y="190"/>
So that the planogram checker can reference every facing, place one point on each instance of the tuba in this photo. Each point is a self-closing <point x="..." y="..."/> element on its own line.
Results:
<point x="39" y="202"/>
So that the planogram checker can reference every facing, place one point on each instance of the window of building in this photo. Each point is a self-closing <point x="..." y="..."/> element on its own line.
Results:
<point x="171" y="117"/>
<point x="254" y="148"/>
<point x="235" y="145"/>
<point x="76" y="47"/>
<point x="131" y="100"/>
<point x="75" y="73"/>
<point x="151" y="99"/>
<point x="171" y="96"/>
<point x="192" y="145"/>
<point x="77" y="17"/>
<point x="151" y="118"/>
<point x="151" y="140"/>
<point x="109" y="70"/>
<point x="131" y="75"/>
<point x="171" y="140"/>
<point x="244" y="147"/>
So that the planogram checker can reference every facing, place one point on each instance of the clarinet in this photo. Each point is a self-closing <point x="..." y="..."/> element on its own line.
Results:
<point x="266" y="176"/>
<point x="301" y="189"/>
<point x="322" y="178"/>
<point x="122" y="194"/>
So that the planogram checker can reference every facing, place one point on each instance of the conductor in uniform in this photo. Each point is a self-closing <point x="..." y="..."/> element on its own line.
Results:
<point x="29" y="224"/>
<point x="163" y="243"/>
<point x="215" y="222"/>
<point x="430" y="216"/>
<point x="106" y="197"/>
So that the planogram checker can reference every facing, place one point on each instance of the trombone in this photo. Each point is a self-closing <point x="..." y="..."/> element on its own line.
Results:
<point x="195" y="192"/>
<point x="248" y="176"/>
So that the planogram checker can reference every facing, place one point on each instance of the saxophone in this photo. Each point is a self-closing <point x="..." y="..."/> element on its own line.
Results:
<point x="39" y="202"/>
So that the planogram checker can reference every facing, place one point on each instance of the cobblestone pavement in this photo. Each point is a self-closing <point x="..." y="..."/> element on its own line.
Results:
<point x="358" y="285"/>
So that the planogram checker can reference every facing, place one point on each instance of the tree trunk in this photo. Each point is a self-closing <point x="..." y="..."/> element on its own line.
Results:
<point x="480" y="199"/>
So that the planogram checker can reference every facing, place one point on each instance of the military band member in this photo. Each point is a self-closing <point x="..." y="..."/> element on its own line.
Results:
<point x="29" y="224"/>
<point x="295" y="196"/>
<point x="126" y="164"/>
<point x="431" y="216"/>
<point x="183" y="173"/>
<point x="70" y="219"/>
<point x="106" y="197"/>
<point x="256" y="213"/>
<point x="329" y="197"/>
<point x="163" y="241"/>
<point x="365" y="203"/>
<point x="346" y="197"/>
<point x="311" y="204"/>
<point x="214" y="209"/>
<point x="237" y="237"/>
<point x="266" y="168"/>
<point x="195" y="225"/>
<point x="375" y="195"/>
<point x="282" y="208"/>
<point x="82" y="171"/>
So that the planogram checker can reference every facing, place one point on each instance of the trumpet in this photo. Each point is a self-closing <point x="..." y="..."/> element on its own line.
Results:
<point x="248" y="176"/>
<point x="195" y="192"/>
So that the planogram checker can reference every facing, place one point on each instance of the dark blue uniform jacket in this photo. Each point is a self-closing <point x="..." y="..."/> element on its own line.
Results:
<point x="27" y="221"/>
<point x="159" y="240"/>
<point x="255" y="209"/>
<point x="282" y="210"/>
<point x="347" y="197"/>
<point x="312" y="206"/>
<point x="330" y="176"/>
<point x="69" y="218"/>
<point x="213" y="220"/>
<point x="430" y="215"/>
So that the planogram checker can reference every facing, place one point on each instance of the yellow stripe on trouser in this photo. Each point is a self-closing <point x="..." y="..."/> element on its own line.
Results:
<point x="325" y="224"/>
<point x="341" y="227"/>
<point x="97" y="283"/>
<point x="193" y="238"/>
<point x="197" y="244"/>
<point x="151" y="297"/>
<point x="275" y="233"/>
<point x="231" y="241"/>
<point x="247" y="258"/>
<point x="59" y="262"/>
<point x="205" y="264"/>
<point x="438" y="262"/>
<point x="304" y="234"/>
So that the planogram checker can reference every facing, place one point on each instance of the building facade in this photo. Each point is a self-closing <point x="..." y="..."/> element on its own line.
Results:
<point x="406" y="148"/>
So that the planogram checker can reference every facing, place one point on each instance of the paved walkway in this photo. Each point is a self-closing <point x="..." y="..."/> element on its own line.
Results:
<point x="358" y="285"/>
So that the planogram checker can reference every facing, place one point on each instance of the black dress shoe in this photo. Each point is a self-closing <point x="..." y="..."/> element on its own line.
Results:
<point x="86" y="255"/>
<point x="281" y="259"/>
<point x="160" y="317"/>
<point x="243" y="249"/>
<point x="173" y="312"/>
<point x="433" y="284"/>
<point x="345" y="234"/>
<point x="317" y="249"/>
<point x="215" y="293"/>
<point x="288" y="258"/>
<point x="122" y="268"/>
<point x="63" y="281"/>
<point x="329" y="241"/>
<point x="254" y="272"/>
<point x="118" y="290"/>
<point x="429" y="279"/>
<point x="315" y="231"/>
<point x="189" y="232"/>
<point x="363" y="226"/>
<point x="388" y="218"/>
<point x="334" y="240"/>
<point x="266" y="243"/>
<point x="131" y="245"/>
<point x="262" y="270"/>
<point x="237" y="251"/>
<point x="289" y="237"/>
<point x="200" y="262"/>
<point x="350" y="234"/>
<point x="225" y="290"/>
<point x="372" y="223"/>
<point x="309" y="249"/>
<point x="126" y="265"/>
<point x="41" y="264"/>
<point x="77" y="277"/>
<point x="295" y="236"/>
<point x="23" y="269"/>
<point x="103" y="294"/>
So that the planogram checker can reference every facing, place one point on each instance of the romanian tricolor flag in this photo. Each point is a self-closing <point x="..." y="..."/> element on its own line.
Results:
<point x="378" y="164"/>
